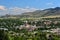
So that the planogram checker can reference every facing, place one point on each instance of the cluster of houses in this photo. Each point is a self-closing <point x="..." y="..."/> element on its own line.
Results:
<point x="27" y="26"/>
<point x="32" y="27"/>
<point x="56" y="30"/>
<point x="49" y="22"/>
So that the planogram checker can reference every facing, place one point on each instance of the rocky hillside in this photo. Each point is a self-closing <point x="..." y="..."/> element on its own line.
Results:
<point x="46" y="12"/>
<point x="39" y="13"/>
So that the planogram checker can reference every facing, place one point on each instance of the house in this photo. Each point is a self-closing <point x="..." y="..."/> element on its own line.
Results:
<point x="47" y="22"/>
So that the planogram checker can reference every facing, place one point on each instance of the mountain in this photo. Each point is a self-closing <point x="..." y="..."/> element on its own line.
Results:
<point x="40" y="13"/>
<point x="52" y="12"/>
<point x="46" y="12"/>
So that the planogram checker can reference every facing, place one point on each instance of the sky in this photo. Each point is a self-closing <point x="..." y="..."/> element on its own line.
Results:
<point x="28" y="5"/>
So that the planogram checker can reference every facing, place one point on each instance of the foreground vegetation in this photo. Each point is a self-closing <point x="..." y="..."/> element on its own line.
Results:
<point x="15" y="34"/>
<point x="5" y="35"/>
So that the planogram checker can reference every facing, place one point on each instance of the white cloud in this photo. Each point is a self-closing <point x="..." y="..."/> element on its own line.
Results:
<point x="18" y="10"/>
<point x="27" y="9"/>
<point x="2" y="7"/>
<point x="3" y="10"/>
<point x="49" y="3"/>
<point x="15" y="10"/>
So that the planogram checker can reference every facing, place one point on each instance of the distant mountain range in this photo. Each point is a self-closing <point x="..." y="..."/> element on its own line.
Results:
<point x="46" y="12"/>
<point x="40" y="13"/>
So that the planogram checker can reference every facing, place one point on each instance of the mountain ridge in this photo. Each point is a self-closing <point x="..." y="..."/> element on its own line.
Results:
<point x="40" y="13"/>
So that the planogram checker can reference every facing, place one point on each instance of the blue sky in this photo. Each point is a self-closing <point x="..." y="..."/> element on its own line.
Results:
<point x="21" y="6"/>
<point x="40" y="4"/>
